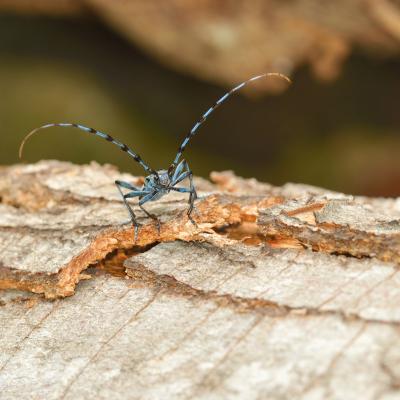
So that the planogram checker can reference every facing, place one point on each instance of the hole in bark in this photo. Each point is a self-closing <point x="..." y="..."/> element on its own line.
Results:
<point x="113" y="263"/>
<point x="245" y="232"/>
<point x="348" y="254"/>
<point x="248" y="233"/>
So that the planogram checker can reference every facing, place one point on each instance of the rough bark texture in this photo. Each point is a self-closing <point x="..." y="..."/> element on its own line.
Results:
<point x="278" y="293"/>
<point x="227" y="41"/>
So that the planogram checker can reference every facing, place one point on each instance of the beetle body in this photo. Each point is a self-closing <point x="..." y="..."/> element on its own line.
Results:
<point x="157" y="183"/>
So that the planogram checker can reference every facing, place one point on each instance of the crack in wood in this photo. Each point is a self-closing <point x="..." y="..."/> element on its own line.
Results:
<point x="241" y="338"/>
<point x="339" y="290"/>
<point x="334" y="361"/>
<point x="26" y="337"/>
<point x="103" y="345"/>
<point x="258" y="305"/>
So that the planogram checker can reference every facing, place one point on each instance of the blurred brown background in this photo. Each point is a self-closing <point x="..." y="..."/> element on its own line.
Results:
<point x="144" y="71"/>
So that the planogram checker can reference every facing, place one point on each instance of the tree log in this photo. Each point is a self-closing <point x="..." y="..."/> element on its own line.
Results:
<point x="277" y="293"/>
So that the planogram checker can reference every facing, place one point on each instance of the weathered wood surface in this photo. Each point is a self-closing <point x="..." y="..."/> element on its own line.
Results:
<point x="279" y="293"/>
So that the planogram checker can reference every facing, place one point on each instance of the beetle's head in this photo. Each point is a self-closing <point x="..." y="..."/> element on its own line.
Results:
<point x="158" y="179"/>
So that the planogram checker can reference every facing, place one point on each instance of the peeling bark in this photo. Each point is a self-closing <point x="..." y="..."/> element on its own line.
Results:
<point x="228" y="41"/>
<point x="279" y="292"/>
<point x="225" y="42"/>
<point x="72" y="217"/>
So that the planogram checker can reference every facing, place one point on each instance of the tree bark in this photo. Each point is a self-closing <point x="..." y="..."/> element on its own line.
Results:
<point x="227" y="41"/>
<point x="278" y="292"/>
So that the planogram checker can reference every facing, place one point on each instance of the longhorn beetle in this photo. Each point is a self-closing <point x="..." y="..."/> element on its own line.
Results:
<point x="160" y="182"/>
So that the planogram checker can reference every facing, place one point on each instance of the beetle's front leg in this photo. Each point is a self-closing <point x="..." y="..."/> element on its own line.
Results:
<point x="144" y="200"/>
<point x="180" y="176"/>
<point x="134" y="192"/>
<point x="192" y="198"/>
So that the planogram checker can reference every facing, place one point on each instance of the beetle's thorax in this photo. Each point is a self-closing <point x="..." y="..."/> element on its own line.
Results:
<point x="164" y="179"/>
<point x="157" y="183"/>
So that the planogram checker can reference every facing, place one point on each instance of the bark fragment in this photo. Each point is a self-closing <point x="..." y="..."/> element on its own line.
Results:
<point x="345" y="226"/>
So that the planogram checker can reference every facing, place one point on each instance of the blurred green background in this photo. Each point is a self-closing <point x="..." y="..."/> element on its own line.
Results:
<point x="343" y="135"/>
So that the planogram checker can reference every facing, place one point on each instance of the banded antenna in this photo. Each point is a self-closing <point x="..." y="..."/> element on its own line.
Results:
<point x="204" y="117"/>
<point x="95" y="132"/>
